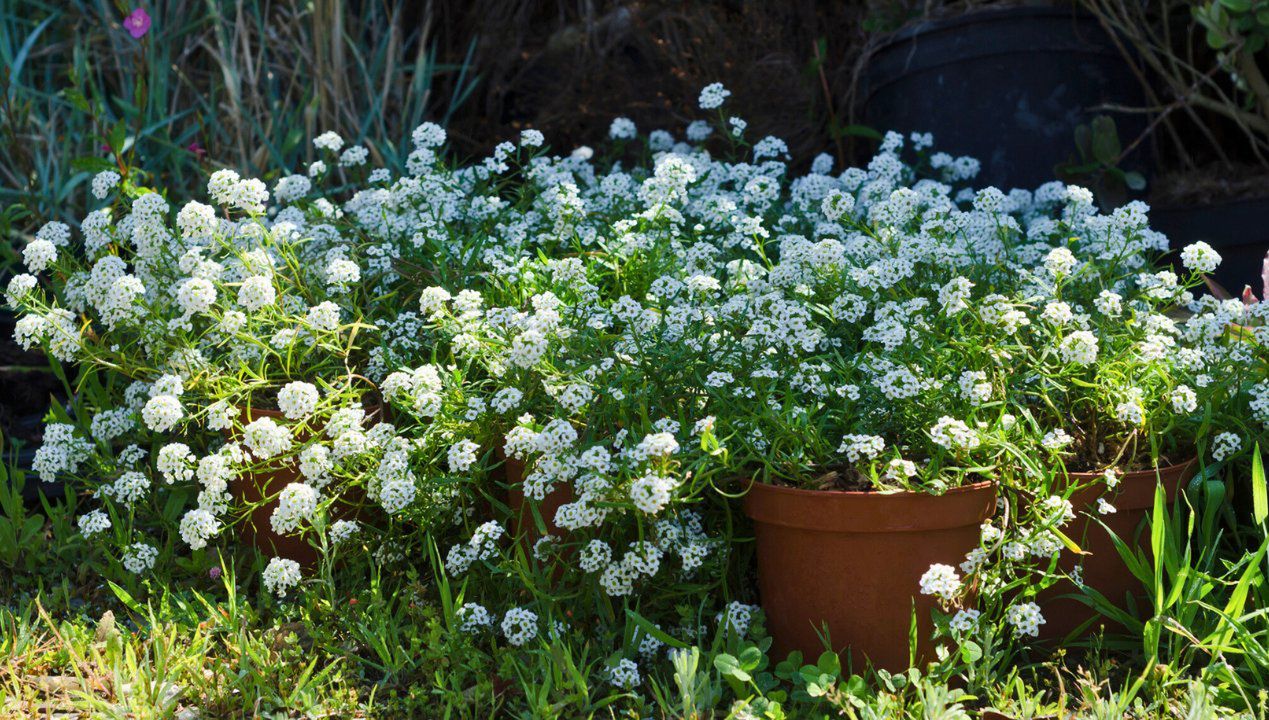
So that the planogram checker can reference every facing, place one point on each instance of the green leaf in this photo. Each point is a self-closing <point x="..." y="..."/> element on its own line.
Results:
<point x="971" y="652"/>
<point x="729" y="667"/>
<point x="1106" y="146"/>
<point x="1135" y="180"/>
<point x="1239" y="6"/>
<point x="655" y="631"/>
<point x="830" y="664"/>
<point x="118" y="134"/>
<point x="1158" y="529"/>
<point x="1259" y="495"/>
<point x="750" y="657"/>
<point x="857" y="131"/>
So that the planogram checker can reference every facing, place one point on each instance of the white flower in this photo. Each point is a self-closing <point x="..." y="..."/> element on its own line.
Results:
<point x="38" y="255"/>
<point x="595" y="555"/>
<point x="1025" y="619"/>
<point x="861" y="446"/>
<point x="1058" y="313"/>
<point x="428" y="135"/>
<point x="974" y="386"/>
<point x="954" y="296"/>
<point x="94" y="522"/>
<point x="197" y="526"/>
<point x="1200" y="257"/>
<point x="175" y="463"/>
<point x="1111" y="476"/>
<point x="941" y="581"/>
<point x="1079" y="348"/>
<point x="195" y="295"/>
<point x="20" y="286"/>
<point x="139" y="557"/>
<point x="954" y="434"/>
<point x="964" y="621"/>
<point x="354" y="156"/>
<point x="1104" y="507"/>
<point x="520" y="625"/>
<point x="162" y="412"/>
<point x="1225" y="445"/>
<point x="713" y="96"/>
<point x="266" y="438"/>
<point x="296" y="503"/>
<point x="328" y="140"/>
<point x="1183" y="400"/>
<point x="625" y="674"/>
<point x="531" y="138"/>
<point x="324" y="316"/>
<point x="281" y="575"/>
<point x="462" y="455"/>
<point x="974" y="559"/>
<point x="104" y="182"/>
<point x="622" y="129"/>
<point x="1056" y="439"/>
<point x="298" y="400"/>
<point x="292" y="188"/>
<point x="256" y="292"/>
<point x="340" y="273"/>
<point x="1108" y="303"/>
<point x="1060" y="261"/>
<point x="473" y="617"/>
<point x="342" y="530"/>
<point x="651" y="493"/>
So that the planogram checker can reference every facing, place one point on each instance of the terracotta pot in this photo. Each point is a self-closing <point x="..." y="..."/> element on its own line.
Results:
<point x="261" y="489"/>
<point x="522" y="522"/>
<point x="1104" y="570"/>
<point x="854" y="560"/>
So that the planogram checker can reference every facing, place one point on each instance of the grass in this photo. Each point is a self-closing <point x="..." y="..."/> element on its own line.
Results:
<point x="243" y="84"/>
<point x="203" y="639"/>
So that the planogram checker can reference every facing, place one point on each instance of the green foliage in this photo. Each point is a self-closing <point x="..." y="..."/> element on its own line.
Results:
<point x="1097" y="163"/>
<point x="239" y="85"/>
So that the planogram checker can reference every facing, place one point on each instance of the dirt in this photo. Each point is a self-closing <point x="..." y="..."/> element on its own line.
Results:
<point x="1209" y="184"/>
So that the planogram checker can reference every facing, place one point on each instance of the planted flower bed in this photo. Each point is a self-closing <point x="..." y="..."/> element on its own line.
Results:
<point x="555" y="385"/>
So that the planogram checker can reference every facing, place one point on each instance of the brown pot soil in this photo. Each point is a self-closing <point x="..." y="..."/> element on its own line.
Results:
<point x="523" y="525"/>
<point x="1104" y="570"/>
<point x="260" y="489"/>
<point x="853" y="561"/>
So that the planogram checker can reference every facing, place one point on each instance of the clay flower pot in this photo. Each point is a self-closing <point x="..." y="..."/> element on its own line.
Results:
<point x="1104" y="570"/>
<point x="522" y="523"/>
<point x="260" y="489"/>
<point x="854" y="561"/>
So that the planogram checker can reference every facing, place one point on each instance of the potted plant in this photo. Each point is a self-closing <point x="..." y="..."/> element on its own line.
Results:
<point x="1208" y="100"/>
<point x="1004" y="83"/>
<point x="228" y="354"/>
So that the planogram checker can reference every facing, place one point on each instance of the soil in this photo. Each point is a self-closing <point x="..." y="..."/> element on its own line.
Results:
<point x="1210" y="184"/>
<point x="25" y="394"/>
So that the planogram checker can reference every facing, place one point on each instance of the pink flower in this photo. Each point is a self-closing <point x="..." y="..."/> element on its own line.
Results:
<point x="137" y="23"/>
<point x="213" y="573"/>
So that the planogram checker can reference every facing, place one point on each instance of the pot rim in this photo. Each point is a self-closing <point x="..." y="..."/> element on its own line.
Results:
<point x="1254" y="201"/>
<point x="804" y="492"/>
<point x="952" y="21"/>
<point x="1156" y="471"/>
<point x="863" y="512"/>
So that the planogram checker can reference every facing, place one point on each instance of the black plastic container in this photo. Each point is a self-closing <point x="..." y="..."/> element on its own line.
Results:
<point x="1237" y="229"/>
<point x="1007" y="87"/>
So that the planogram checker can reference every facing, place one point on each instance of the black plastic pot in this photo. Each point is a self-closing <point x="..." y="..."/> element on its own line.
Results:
<point x="1237" y="229"/>
<point x="12" y="354"/>
<point x="1007" y="87"/>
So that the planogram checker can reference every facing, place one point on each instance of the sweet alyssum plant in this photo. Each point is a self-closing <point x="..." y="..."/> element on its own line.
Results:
<point x="646" y="332"/>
